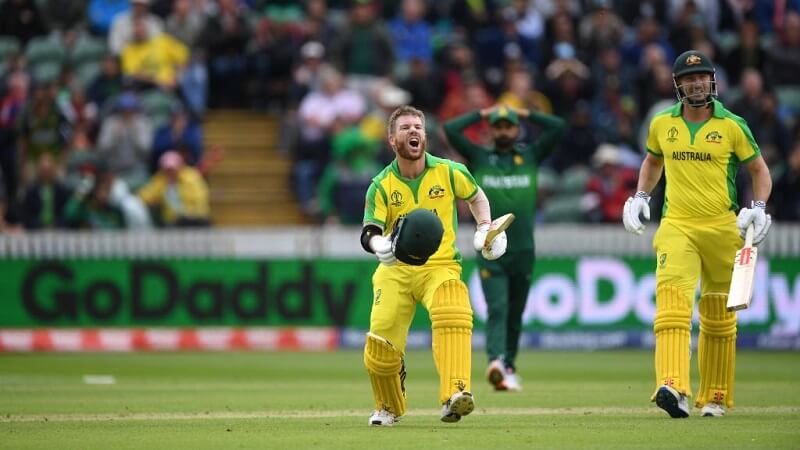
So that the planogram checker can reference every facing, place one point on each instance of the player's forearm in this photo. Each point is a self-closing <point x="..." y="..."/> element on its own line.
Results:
<point x="762" y="181"/>
<point x="649" y="173"/>
<point x="454" y="130"/>
<point x="479" y="206"/>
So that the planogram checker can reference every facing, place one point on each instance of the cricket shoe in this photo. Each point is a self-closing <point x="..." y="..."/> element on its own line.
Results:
<point x="382" y="418"/>
<point x="712" y="410"/>
<point x="673" y="402"/>
<point x="496" y="374"/>
<point x="513" y="381"/>
<point x="459" y="405"/>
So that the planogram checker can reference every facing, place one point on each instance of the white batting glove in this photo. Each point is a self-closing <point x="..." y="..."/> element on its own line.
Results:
<point x="382" y="246"/>
<point x="634" y="207"/>
<point x="497" y="248"/>
<point x="755" y="214"/>
<point x="480" y="236"/>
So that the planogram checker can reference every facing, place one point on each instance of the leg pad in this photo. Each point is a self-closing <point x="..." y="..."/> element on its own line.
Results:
<point x="672" y="327"/>
<point x="716" y="351"/>
<point x="387" y="374"/>
<point x="451" y="321"/>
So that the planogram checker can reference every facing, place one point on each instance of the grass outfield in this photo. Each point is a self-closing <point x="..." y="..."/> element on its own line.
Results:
<point x="322" y="400"/>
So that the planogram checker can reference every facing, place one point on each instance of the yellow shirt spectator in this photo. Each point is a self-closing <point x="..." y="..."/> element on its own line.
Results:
<point x="158" y="59"/>
<point x="179" y="191"/>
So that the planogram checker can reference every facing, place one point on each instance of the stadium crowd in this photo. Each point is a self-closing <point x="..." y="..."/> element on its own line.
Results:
<point x="102" y="101"/>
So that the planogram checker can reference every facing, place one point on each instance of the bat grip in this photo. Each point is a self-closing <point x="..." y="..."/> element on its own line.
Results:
<point x="748" y="236"/>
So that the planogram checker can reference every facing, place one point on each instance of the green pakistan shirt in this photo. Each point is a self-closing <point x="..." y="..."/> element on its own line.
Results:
<point x="508" y="178"/>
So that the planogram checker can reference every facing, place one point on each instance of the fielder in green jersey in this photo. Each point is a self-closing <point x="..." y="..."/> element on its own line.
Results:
<point x="507" y="173"/>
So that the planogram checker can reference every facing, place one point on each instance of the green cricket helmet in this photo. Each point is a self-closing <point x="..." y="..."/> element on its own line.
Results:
<point x="416" y="236"/>
<point x="690" y="62"/>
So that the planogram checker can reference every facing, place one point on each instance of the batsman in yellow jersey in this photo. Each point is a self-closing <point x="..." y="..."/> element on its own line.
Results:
<point x="698" y="144"/>
<point x="410" y="224"/>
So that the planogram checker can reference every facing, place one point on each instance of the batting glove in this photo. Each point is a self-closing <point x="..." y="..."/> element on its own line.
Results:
<point x="755" y="214"/>
<point x="480" y="236"/>
<point x="382" y="246"/>
<point x="497" y="248"/>
<point x="634" y="207"/>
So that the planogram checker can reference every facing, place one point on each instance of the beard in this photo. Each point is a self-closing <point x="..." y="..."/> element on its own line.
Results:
<point x="410" y="153"/>
<point x="504" y="142"/>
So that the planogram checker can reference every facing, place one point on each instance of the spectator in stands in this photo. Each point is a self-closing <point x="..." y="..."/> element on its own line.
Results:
<point x="91" y="207"/>
<point x="123" y="31"/>
<point x="5" y="225"/>
<point x="45" y="198"/>
<point x="469" y="95"/>
<point x="178" y="192"/>
<point x="568" y="79"/>
<point x="608" y="64"/>
<point x="411" y="34"/>
<point x="186" y="23"/>
<point x="748" y="106"/>
<point x="363" y="49"/>
<point x="125" y="141"/>
<point x="783" y="64"/>
<point x="321" y="113"/>
<point x="610" y="184"/>
<point x="42" y="128"/>
<point x="425" y="84"/>
<point x="601" y="29"/>
<point x="307" y="75"/>
<point x="21" y="19"/>
<point x="346" y="179"/>
<point x="270" y="54"/>
<point x="771" y="133"/>
<point x="85" y="165"/>
<point x="579" y="142"/>
<point x="64" y="15"/>
<point x="153" y="59"/>
<point x="786" y="195"/>
<point x="182" y="134"/>
<point x="11" y="107"/>
<point x="648" y="32"/>
<point x="225" y="35"/>
<point x="520" y="93"/>
<point x="108" y="84"/>
<point x="748" y="53"/>
<point x="318" y="25"/>
<point x="76" y="108"/>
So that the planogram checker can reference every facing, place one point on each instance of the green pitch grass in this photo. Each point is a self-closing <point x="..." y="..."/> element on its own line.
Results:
<point x="322" y="400"/>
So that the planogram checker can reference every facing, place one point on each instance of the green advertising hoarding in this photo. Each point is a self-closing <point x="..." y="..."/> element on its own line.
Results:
<point x="567" y="293"/>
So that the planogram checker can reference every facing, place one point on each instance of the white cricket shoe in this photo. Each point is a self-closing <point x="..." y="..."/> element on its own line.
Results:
<point x="382" y="418"/>
<point x="459" y="405"/>
<point x="673" y="402"/>
<point x="496" y="374"/>
<point x="712" y="410"/>
<point x="513" y="381"/>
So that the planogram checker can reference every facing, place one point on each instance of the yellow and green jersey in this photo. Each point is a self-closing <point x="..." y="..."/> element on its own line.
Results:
<point x="391" y="196"/>
<point x="700" y="160"/>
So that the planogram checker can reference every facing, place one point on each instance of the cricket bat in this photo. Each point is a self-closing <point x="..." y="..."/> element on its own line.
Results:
<point x="498" y="226"/>
<point x="744" y="274"/>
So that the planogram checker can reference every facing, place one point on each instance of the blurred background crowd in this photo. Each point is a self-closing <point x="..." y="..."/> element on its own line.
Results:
<point x="103" y="102"/>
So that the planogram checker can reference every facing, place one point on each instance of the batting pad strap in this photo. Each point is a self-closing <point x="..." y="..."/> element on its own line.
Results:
<point x="387" y="374"/>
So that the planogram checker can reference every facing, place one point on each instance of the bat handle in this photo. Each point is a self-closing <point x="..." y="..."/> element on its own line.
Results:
<point x="748" y="236"/>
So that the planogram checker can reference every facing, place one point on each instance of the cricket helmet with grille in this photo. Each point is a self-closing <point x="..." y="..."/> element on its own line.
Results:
<point x="416" y="236"/>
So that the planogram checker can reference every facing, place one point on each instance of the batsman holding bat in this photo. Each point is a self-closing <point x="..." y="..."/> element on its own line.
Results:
<point x="508" y="173"/>
<point x="699" y="145"/>
<point x="410" y="225"/>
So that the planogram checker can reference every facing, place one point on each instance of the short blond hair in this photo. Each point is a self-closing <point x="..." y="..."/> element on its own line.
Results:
<point x="405" y="110"/>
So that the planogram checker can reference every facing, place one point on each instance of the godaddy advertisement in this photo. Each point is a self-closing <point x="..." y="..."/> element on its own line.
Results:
<point x="566" y="295"/>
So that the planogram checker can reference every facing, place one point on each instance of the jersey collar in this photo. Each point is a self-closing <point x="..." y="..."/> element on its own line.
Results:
<point x="428" y="163"/>
<point x="718" y="109"/>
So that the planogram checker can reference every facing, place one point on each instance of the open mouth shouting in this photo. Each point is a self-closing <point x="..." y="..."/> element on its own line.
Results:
<point x="414" y="142"/>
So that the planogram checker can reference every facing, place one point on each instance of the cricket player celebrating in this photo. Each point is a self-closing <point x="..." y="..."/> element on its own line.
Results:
<point x="508" y="173"/>
<point x="419" y="262"/>
<point x="699" y="145"/>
